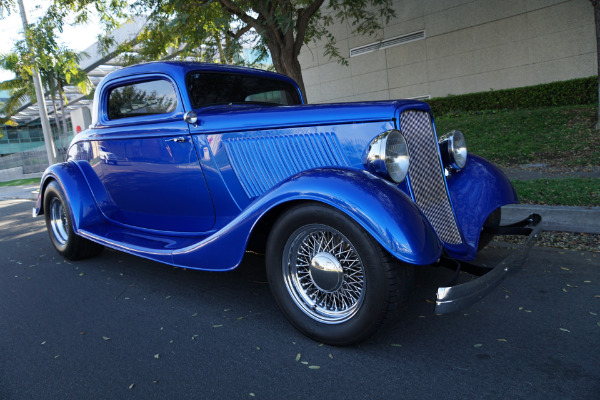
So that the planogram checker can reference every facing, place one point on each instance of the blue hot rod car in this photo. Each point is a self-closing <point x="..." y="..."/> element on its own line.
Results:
<point x="188" y="164"/>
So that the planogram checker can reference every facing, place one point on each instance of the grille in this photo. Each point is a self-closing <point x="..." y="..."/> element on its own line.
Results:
<point x="427" y="175"/>
<point x="262" y="162"/>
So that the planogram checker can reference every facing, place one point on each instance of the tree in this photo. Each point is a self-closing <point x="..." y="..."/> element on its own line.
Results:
<point x="58" y="66"/>
<point x="282" y="26"/>
<point x="596" y="4"/>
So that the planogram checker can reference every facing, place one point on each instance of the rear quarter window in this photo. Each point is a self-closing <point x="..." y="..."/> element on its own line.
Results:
<point x="213" y="88"/>
<point x="141" y="99"/>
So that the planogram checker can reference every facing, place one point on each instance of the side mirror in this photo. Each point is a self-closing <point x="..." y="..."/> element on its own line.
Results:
<point x="190" y="117"/>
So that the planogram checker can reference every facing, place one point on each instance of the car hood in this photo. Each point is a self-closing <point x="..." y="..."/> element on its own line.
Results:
<point x="224" y="118"/>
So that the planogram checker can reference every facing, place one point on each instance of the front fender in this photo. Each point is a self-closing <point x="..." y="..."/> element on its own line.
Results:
<point x="383" y="210"/>
<point x="81" y="203"/>
<point x="476" y="191"/>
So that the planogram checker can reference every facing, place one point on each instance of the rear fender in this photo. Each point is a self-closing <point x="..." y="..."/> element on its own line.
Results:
<point x="81" y="203"/>
<point x="383" y="210"/>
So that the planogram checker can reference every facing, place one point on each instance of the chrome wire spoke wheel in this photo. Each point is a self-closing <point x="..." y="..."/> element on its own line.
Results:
<point x="59" y="222"/>
<point x="324" y="274"/>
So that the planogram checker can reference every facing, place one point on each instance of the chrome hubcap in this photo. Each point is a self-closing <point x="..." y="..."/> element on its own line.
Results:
<point x="58" y="222"/>
<point x="324" y="274"/>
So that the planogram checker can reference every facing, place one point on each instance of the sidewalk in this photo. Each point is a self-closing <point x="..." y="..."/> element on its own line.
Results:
<point x="554" y="218"/>
<point x="26" y="192"/>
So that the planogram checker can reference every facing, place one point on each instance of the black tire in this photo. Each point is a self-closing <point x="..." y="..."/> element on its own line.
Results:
<point x="492" y="221"/>
<point x="60" y="227"/>
<point x="350" y="299"/>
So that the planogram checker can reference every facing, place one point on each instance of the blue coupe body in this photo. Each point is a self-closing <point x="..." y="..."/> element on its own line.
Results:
<point x="177" y="168"/>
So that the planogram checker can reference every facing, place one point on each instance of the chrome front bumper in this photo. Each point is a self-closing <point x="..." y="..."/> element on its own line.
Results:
<point x="454" y="298"/>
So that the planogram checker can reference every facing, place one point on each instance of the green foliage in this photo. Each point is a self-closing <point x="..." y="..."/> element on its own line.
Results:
<point x="565" y="93"/>
<point x="279" y="28"/>
<point x="564" y="191"/>
<point x="58" y="65"/>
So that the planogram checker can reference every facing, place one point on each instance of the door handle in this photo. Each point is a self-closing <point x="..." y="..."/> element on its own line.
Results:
<point x="179" y="139"/>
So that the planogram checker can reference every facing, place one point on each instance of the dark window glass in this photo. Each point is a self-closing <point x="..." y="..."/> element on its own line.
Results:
<point x="139" y="99"/>
<point x="208" y="88"/>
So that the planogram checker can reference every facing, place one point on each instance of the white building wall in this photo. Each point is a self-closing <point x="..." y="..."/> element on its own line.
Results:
<point x="469" y="46"/>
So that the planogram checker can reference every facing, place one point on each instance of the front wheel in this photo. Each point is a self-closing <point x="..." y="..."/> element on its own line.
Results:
<point x="60" y="227"/>
<point x="331" y="279"/>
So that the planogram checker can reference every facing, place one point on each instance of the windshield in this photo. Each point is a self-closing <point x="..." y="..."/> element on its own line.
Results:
<point x="212" y="88"/>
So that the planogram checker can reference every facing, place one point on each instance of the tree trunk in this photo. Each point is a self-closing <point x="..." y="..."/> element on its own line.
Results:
<point x="288" y="65"/>
<point x="61" y="94"/>
<point x="56" y="122"/>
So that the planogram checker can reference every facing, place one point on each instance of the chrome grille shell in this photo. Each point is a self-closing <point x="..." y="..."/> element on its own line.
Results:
<point x="426" y="175"/>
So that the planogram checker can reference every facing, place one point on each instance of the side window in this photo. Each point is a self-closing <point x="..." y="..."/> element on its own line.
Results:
<point x="139" y="99"/>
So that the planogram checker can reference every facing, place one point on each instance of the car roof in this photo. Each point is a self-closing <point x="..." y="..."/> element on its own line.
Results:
<point x="183" y="67"/>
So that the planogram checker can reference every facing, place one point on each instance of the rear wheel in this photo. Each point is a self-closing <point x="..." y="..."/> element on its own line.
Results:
<point x="331" y="279"/>
<point x="60" y="227"/>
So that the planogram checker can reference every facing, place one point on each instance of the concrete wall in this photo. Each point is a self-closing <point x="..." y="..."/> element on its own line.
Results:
<point x="469" y="46"/>
<point x="81" y="119"/>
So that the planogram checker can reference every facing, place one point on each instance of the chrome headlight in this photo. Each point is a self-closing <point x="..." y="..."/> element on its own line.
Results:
<point x="453" y="148"/>
<point x="388" y="155"/>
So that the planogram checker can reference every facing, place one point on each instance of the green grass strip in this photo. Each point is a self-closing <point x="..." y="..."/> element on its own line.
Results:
<point x="562" y="191"/>
<point x="561" y="136"/>
<point x="17" y="182"/>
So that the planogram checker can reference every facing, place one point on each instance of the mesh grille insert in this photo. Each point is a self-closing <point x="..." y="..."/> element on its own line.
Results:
<point x="426" y="175"/>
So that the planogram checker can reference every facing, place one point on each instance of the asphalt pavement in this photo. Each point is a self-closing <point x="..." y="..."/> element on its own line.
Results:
<point x="121" y="327"/>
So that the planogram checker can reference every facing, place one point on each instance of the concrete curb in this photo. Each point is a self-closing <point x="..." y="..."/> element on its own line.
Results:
<point x="554" y="218"/>
<point x="557" y="218"/>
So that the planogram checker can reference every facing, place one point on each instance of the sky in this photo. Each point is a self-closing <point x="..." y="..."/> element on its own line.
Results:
<point x="77" y="38"/>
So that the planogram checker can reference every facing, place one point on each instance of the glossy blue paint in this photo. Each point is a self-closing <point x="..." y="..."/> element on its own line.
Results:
<point x="288" y="154"/>
<point x="380" y="208"/>
<point x="190" y="195"/>
<point x="476" y="192"/>
<point x="82" y="206"/>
